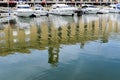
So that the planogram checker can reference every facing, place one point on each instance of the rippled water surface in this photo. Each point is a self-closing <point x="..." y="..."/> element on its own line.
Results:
<point x="61" y="48"/>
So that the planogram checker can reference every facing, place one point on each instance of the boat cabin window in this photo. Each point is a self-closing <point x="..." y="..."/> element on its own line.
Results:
<point x="57" y="6"/>
<point x="37" y="9"/>
<point x="3" y="11"/>
<point x="84" y="6"/>
<point x="114" y="7"/>
<point x="54" y="8"/>
<point x="90" y="6"/>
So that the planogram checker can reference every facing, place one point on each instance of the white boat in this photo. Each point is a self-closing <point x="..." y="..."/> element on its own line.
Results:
<point x="114" y="8"/>
<point x="6" y="13"/>
<point x="40" y="11"/>
<point x="103" y="10"/>
<point x="62" y="9"/>
<point x="24" y="10"/>
<point x="86" y="8"/>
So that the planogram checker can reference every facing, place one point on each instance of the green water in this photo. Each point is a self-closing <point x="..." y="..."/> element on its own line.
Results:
<point x="61" y="48"/>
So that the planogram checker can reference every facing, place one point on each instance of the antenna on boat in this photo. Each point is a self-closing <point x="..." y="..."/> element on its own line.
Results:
<point x="8" y="10"/>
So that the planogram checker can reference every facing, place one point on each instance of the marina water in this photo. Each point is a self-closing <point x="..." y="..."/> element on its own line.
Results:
<point x="61" y="48"/>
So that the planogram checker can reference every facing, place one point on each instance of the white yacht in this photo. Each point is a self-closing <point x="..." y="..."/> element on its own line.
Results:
<point x="24" y="10"/>
<point x="89" y="9"/>
<point x="40" y="11"/>
<point x="114" y="8"/>
<point x="62" y="9"/>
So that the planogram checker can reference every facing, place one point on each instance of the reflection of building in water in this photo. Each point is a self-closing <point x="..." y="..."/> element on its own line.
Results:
<point x="53" y="55"/>
<point x="44" y="35"/>
<point x="15" y="39"/>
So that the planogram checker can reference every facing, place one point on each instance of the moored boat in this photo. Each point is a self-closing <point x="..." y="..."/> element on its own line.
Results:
<point x="79" y="12"/>
<point x="114" y="8"/>
<point x="62" y="9"/>
<point x="24" y="10"/>
<point x="91" y="9"/>
<point x="39" y="10"/>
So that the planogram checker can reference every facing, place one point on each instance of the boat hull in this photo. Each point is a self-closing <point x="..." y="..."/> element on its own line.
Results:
<point x="24" y="13"/>
<point x="24" y="10"/>
<point x="40" y="13"/>
<point x="62" y="9"/>
<point x="62" y="12"/>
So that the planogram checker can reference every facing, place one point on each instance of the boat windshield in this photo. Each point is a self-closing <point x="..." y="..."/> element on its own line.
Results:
<point x="84" y="6"/>
<point x="26" y="7"/>
<point x="88" y="6"/>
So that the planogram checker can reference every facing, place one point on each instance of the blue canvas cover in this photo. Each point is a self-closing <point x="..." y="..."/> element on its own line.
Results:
<point x="118" y="6"/>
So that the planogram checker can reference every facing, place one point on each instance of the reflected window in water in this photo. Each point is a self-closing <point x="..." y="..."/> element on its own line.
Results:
<point x="27" y="39"/>
<point x="15" y="33"/>
<point x="15" y="40"/>
<point x="2" y="41"/>
<point x="2" y="34"/>
<point x="27" y="31"/>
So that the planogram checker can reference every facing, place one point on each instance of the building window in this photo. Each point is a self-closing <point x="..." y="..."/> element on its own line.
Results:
<point x="85" y="0"/>
<point x="2" y="34"/>
<point x="93" y="0"/>
<point x="2" y="41"/>
<point x="60" y="0"/>
<point x="100" y="0"/>
<point x="15" y="40"/>
<point x="38" y="0"/>
<point x="49" y="0"/>
<point x="114" y="1"/>
<point x="77" y="0"/>
<point x="68" y="0"/>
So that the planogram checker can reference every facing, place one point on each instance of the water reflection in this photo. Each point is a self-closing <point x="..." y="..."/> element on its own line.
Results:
<point x="53" y="55"/>
<point x="42" y="32"/>
<point x="61" y="48"/>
